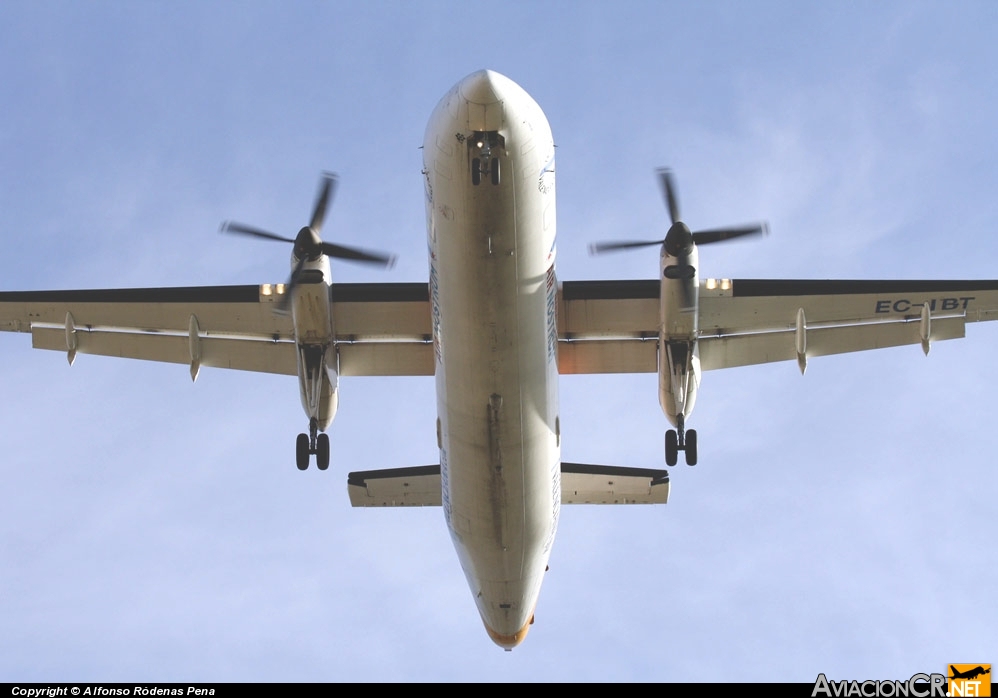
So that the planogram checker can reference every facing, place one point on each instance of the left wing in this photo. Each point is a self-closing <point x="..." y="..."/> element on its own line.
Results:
<point x="612" y="326"/>
<point x="382" y="329"/>
<point x="753" y="321"/>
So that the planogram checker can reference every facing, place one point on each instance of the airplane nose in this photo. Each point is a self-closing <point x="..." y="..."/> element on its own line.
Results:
<point x="482" y="87"/>
<point x="508" y="642"/>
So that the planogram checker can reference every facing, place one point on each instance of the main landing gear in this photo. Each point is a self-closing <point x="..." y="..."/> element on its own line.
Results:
<point x="677" y="440"/>
<point x="310" y="443"/>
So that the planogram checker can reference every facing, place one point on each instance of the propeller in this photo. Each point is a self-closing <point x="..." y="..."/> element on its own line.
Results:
<point x="679" y="239"/>
<point x="307" y="244"/>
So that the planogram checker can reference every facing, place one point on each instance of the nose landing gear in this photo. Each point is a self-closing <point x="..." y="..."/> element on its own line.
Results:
<point x="310" y="443"/>
<point x="484" y="162"/>
<point x="680" y="440"/>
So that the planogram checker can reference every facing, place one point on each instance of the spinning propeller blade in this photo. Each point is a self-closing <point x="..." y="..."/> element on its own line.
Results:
<point x="679" y="237"/>
<point x="308" y="244"/>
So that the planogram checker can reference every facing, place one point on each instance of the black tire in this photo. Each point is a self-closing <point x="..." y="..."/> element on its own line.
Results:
<point x="322" y="451"/>
<point x="671" y="447"/>
<point x="301" y="452"/>
<point x="476" y="171"/>
<point x="691" y="447"/>
<point x="495" y="171"/>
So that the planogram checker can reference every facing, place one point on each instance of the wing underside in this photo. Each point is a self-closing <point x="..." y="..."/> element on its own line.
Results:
<point x="612" y="326"/>
<point x="608" y="327"/>
<point x="603" y="326"/>
<point x="382" y="329"/>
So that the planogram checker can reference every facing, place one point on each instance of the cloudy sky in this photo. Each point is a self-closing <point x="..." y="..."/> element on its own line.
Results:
<point x="157" y="530"/>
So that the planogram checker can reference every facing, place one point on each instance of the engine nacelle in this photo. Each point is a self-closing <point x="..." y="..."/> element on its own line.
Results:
<point x="678" y="378"/>
<point x="678" y="358"/>
<point x="318" y="381"/>
<point x="318" y="364"/>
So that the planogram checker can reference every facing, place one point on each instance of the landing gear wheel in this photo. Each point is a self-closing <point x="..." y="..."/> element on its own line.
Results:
<point x="322" y="451"/>
<point x="691" y="447"/>
<point x="302" y="454"/>
<point x="495" y="171"/>
<point x="476" y="171"/>
<point x="671" y="447"/>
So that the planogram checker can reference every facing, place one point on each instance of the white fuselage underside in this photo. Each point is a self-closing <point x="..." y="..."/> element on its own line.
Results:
<point x="493" y="294"/>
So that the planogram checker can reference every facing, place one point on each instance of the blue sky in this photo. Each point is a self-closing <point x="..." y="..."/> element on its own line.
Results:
<point x="841" y="523"/>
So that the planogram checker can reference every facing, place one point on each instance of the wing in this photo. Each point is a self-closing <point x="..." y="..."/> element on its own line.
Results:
<point x="608" y="327"/>
<point x="382" y="329"/>
<point x="612" y="326"/>
<point x="753" y="321"/>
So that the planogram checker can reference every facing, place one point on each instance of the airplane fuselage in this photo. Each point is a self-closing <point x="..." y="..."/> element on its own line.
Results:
<point x="490" y="203"/>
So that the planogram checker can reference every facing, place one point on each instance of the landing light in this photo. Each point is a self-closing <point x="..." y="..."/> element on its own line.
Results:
<point x="711" y="284"/>
<point x="279" y="289"/>
<point x="723" y="284"/>
<point x="265" y="289"/>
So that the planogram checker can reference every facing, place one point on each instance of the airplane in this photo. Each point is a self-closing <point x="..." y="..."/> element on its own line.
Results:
<point x="970" y="673"/>
<point x="496" y="329"/>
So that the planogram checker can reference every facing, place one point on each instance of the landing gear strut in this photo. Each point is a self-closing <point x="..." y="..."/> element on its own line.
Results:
<point x="485" y="163"/>
<point x="310" y="443"/>
<point x="680" y="440"/>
